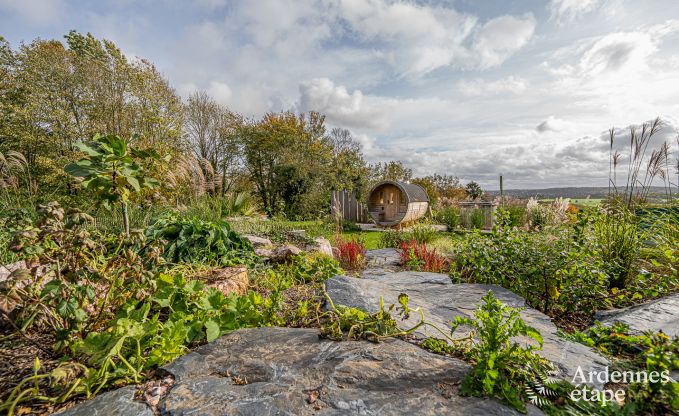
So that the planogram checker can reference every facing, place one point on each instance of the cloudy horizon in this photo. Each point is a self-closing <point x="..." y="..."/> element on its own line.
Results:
<point x="527" y="89"/>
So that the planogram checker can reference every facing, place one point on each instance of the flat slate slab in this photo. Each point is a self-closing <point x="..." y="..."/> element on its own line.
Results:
<point x="442" y="301"/>
<point x="384" y="258"/>
<point x="116" y="402"/>
<point x="657" y="315"/>
<point x="288" y="371"/>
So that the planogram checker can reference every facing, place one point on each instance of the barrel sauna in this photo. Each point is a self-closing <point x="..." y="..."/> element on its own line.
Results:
<point x="392" y="203"/>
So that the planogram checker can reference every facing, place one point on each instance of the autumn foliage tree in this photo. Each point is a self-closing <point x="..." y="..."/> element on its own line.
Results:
<point x="54" y="95"/>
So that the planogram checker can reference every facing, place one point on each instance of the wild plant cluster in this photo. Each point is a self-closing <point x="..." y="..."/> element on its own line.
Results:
<point x="116" y="307"/>
<point x="606" y="258"/>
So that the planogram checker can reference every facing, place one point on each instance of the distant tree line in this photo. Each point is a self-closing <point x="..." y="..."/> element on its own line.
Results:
<point x="54" y="95"/>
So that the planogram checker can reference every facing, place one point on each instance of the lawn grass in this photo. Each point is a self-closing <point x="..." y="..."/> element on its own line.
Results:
<point x="370" y="238"/>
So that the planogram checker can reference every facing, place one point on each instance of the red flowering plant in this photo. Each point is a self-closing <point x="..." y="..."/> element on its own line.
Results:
<point x="416" y="256"/>
<point x="350" y="253"/>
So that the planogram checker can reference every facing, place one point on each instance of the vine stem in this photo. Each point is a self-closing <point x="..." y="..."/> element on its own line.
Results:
<point x="409" y="331"/>
<point x="25" y="336"/>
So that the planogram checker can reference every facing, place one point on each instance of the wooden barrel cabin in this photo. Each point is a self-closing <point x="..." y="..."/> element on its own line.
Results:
<point x="392" y="203"/>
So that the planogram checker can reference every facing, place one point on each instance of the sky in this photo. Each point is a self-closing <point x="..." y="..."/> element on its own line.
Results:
<point x="527" y="89"/>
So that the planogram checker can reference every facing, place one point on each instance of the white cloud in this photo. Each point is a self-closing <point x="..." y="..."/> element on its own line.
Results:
<point x="479" y="87"/>
<point x="221" y="92"/>
<point x="417" y="39"/>
<point x="552" y="124"/>
<point x="412" y="38"/>
<point x="568" y="10"/>
<point x="499" y="38"/>
<point x="340" y="106"/>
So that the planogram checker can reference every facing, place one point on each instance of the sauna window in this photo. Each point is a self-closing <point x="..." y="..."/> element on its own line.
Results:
<point x="381" y="196"/>
<point x="402" y="198"/>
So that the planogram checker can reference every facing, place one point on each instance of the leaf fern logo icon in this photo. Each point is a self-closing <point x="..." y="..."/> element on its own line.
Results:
<point x="540" y="391"/>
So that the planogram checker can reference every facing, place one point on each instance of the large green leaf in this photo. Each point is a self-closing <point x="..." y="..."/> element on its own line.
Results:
<point x="87" y="150"/>
<point x="134" y="183"/>
<point x="80" y="169"/>
<point x="212" y="330"/>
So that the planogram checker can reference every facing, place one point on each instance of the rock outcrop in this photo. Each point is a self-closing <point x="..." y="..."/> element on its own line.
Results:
<point x="386" y="259"/>
<point x="258" y="242"/>
<point x="321" y="245"/>
<point x="228" y="280"/>
<point x="657" y="315"/>
<point x="286" y="371"/>
<point x="442" y="301"/>
<point x="116" y="402"/>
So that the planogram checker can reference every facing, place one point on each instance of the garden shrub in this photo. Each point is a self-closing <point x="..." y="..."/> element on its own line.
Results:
<point x="617" y="240"/>
<point x="113" y="317"/>
<point x="538" y="215"/>
<point x="349" y="226"/>
<point x="390" y="238"/>
<point x="548" y="271"/>
<point x="516" y="215"/>
<point x="477" y="218"/>
<point x="422" y="232"/>
<point x="449" y="216"/>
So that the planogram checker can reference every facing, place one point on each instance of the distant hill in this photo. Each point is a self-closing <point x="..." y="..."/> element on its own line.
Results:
<point x="593" y="192"/>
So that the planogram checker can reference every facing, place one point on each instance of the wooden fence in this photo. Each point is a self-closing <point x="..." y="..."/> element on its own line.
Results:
<point x="345" y="204"/>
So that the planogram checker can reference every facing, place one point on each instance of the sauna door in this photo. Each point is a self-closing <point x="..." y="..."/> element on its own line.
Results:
<point x="391" y="205"/>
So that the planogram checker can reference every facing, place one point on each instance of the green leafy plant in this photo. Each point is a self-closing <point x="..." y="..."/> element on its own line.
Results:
<point x="390" y="238"/>
<point x="143" y="335"/>
<point x="550" y="272"/>
<point x="617" y="240"/>
<point x="193" y="240"/>
<point x="422" y="232"/>
<point x="113" y="171"/>
<point x="502" y="366"/>
<point x="478" y="219"/>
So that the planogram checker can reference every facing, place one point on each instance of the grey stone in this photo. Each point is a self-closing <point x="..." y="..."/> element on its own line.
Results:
<point x="321" y="245"/>
<point x="300" y="234"/>
<point x="287" y="371"/>
<point x="385" y="258"/>
<point x="656" y="315"/>
<point x="262" y="252"/>
<point x="113" y="403"/>
<point x="283" y="253"/>
<point x="258" y="242"/>
<point x="441" y="301"/>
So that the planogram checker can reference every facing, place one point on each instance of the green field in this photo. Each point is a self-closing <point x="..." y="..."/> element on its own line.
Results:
<point x="579" y="202"/>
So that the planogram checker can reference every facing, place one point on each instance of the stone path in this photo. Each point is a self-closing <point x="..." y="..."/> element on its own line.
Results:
<point x="657" y="315"/>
